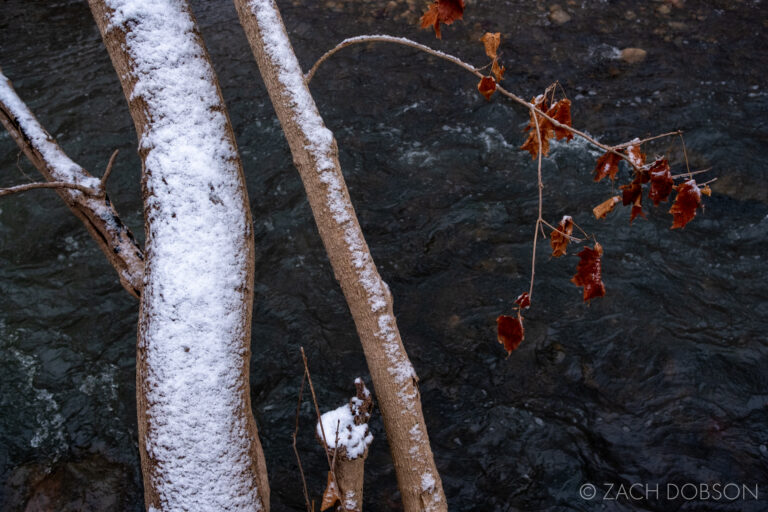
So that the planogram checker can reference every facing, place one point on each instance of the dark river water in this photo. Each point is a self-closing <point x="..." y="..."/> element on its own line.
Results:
<point x="662" y="383"/>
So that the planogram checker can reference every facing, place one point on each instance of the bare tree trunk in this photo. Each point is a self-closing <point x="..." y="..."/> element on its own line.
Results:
<point x="198" y="440"/>
<point x="97" y="213"/>
<point x="316" y="157"/>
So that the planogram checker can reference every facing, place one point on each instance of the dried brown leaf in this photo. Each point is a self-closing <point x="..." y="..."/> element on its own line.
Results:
<point x="510" y="331"/>
<point x="600" y="211"/>
<point x="559" y="238"/>
<point x="487" y="86"/>
<point x="687" y="201"/>
<point x="589" y="273"/>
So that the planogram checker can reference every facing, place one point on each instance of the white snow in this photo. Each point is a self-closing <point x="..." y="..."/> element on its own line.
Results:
<point x="339" y="425"/>
<point x="62" y="168"/>
<point x="427" y="482"/>
<point x="195" y="285"/>
<point x="350" y="501"/>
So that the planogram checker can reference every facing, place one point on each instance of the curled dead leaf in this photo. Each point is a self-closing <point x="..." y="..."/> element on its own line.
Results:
<point x="510" y="331"/>
<point x="600" y="211"/>
<point x="498" y="70"/>
<point x="589" y="273"/>
<point x="560" y="237"/>
<point x="523" y="300"/>
<point x="561" y="112"/>
<point x="442" y="11"/>
<point x="687" y="201"/>
<point x="636" y="157"/>
<point x="607" y="165"/>
<point x="545" y="129"/>
<point x="331" y="495"/>
<point x="491" y="40"/>
<point x="661" y="181"/>
<point x="487" y="86"/>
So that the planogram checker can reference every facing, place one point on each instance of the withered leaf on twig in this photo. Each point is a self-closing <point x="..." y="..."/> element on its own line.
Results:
<point x="589" y="272"/>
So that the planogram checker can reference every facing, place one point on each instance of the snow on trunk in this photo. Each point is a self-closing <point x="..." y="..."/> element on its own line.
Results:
<point x="200" y="449"/>
<point x="316" y="156"/>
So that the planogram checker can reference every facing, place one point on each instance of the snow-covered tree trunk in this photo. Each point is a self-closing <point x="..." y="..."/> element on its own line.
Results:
<point x="316" y="156"/>
<point x="198" y="440"/>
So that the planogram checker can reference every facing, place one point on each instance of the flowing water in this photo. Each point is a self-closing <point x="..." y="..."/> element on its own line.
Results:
<point x="661" y="382"/>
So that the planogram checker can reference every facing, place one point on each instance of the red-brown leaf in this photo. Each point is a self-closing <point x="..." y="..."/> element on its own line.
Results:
<point x="561" y="112"/>
<point x="523" y="300"/>
<point x="498" y="70"/>
<point x="442" y="11"/>
<point x="487" y="87"/>
<point x="603" y="209"/>
<point x="510" y="331"/>
<point x="331" y="495"/>
<point x="661" y="181"/>
<point x="636" y="157"/>
<point x="559" y="238"/>
<point x="545" y="130"/>
<point x="687" y="201"/>
<point x="589" y="272"/>
<point x="491" y="42"/>
<point x="607" y="165"/>
<point x="633" y="194"/>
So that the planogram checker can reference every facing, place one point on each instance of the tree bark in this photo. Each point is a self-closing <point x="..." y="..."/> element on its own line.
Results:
<point x="97" y="214"/>
<point x="316" y="157"/>
<point x="197" y="436"/>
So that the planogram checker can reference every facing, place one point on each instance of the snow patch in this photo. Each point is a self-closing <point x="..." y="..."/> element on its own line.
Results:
<point x="339" y="425"/>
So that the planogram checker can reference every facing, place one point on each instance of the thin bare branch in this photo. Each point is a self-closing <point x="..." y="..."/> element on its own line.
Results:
<point x="108" y="171"/>
<point x="647" y="139"/>
<point x="317" y="408"/>
<point x="541" y="201"/>
<point x="295" y="449"/>
<point x="475" y="71"/>
<point x="48" y="184"/>
<point x="689" y="175"/>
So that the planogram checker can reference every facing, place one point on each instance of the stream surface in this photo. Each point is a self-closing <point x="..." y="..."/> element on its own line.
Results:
<point x="663" y="381"/>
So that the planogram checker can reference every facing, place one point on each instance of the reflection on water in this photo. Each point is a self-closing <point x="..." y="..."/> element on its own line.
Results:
<point x="662" y="381"/>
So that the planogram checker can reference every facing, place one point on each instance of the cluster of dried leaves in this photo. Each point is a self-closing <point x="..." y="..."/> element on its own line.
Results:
<point x="658" y="180"/>
<point x="487" y="84"/>
<point x="550" y="118"/>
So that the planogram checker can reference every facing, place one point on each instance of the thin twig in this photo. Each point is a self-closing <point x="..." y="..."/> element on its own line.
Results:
<point x="18" y="165"/>
<point x="707" y="182"/>
<point x="691" y="174"/>
<point x="541" y="194"/>
<point x="48" y="184"/>
<point x="317" y="408"/>
<point x="647" y="139"/>
<point x="105" y="176"/>
<point x="685" y="154"/>
<point x="569" y="237"/>
<point x="295" y="449"/>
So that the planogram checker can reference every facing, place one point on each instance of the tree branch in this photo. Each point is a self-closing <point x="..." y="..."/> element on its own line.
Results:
<point x="475" y="71"/>
<point x="82" y="193"/>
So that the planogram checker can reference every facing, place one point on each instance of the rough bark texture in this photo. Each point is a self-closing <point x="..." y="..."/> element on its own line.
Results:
<point x="316" y="157"/>
<point x="350" y="479"/>
<point x="96" y="213"/>
<point x="197" y="436"/>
